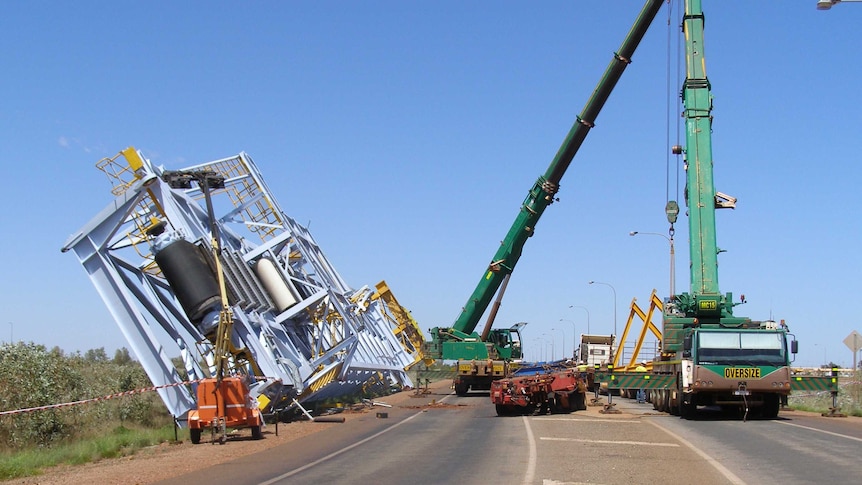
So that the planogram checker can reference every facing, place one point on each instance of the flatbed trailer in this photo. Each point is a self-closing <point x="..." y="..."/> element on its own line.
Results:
<point x="548" y="391"/>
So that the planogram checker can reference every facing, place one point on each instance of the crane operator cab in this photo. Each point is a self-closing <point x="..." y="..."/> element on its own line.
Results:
<point x="507" y="341"/>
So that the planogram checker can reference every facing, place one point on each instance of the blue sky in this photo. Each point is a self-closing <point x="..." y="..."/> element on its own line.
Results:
<point x="407" y="134"/>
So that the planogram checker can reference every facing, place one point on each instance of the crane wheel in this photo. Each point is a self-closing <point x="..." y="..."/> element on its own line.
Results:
<point x="461" y="389"/>
<point x="687" y="410"/>
<point x="256" y="433"/>
<point x="771" y="406"/>
<point x="580" y="400"/>
<point x="504" y="410"/>
<point x="195" y="435"/>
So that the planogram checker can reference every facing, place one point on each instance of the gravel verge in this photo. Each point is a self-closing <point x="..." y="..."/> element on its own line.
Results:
<point x="169" y="460"/>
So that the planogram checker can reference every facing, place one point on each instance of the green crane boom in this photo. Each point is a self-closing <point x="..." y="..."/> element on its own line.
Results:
<point x="542" y="193"/>
<point x="705" y="301"/>
<point x="704" y="305"/>
<point x="701" y="190"/>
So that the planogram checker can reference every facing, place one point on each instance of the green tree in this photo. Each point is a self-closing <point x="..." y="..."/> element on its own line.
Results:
<point x="122" y="357"/>
<point x="96" y="355"/>
<point x="33" y="377"/>
<point x="30" y="376"/>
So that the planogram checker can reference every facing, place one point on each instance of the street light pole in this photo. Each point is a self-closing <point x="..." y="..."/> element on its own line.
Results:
<point x="574" y="336"/>
<point x="672" y="256"/>
<point x="615" y="301"/>
<point x="563" y="347"/>
<point x="553" y="351"/>
<point x="588" y="315"/>
<point x="543" y="347"/>
<point x="825" y="362"/>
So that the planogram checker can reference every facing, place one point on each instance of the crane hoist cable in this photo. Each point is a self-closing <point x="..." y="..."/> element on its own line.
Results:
<point x="671" y="205"/>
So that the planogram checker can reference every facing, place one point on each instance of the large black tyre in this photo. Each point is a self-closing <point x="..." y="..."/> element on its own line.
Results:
<point x="771" y="404"/>
<point x="461" y="388"/>
<point x="580" y="401"/>
<point x="687" y="410"/>
<point x="665" y="401"/>
<point x="195" y="435"/>
<point x="256" y="433"/>
<point x="674" y="407"/>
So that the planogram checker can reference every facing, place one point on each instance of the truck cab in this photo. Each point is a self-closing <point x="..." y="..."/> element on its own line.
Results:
<point x="596" y="349"/>
<point x="742" y="367"/>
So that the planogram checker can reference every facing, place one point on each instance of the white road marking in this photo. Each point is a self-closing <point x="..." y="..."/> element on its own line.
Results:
<point x="610" y="442"/>
<point x="346" y="448"/>
<point x="548" y="481"/>
<point x="821" y="431"/>
<point x="531" y="453"/>
<point x="591" y="420"/>
<point x="718" y="466"/>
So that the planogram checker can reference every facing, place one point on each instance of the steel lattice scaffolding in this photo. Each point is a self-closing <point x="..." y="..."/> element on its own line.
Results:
<point x="299" y="330"/>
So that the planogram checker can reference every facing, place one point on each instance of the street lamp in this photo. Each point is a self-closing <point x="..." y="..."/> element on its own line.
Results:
<point x="11" y="333"/>
<point x="827" y="4"/>
<point x="615" y="301"/>
<point x="588" y="315"/>
<point x="543" y="346"/>
<point x="672" y="257"/>
<point x="825" y="362"/>
<point x="563" y="347"/>
<point x="553" y="352"/>
<point x="574" y="334"/>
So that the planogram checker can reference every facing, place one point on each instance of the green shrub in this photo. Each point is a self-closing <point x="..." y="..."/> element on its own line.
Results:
<point x="31" y="376"/>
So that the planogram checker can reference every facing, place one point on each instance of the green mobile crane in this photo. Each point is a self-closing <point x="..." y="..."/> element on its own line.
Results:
<point x="484" y="357"/>
<point x="709" y="356"/>
<point x="718" y="358"/>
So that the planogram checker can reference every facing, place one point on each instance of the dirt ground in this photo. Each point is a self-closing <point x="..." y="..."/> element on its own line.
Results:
<point x="166" y="460"/>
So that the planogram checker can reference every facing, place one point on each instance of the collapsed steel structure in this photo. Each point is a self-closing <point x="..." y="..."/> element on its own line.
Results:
<point x="300" y="333"/>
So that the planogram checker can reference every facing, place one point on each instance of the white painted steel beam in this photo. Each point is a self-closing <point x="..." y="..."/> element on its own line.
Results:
<point x="323" y="328"/>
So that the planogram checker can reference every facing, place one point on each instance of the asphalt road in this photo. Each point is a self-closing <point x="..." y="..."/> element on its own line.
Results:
<point x="463" y="441"/>
<point x="796" y="448"/>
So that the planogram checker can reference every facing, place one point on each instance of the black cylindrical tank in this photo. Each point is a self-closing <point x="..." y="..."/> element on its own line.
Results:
<point x="191" y="278"/>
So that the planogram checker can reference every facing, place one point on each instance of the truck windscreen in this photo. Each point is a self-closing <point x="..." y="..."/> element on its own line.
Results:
<point x="741" y="348"/>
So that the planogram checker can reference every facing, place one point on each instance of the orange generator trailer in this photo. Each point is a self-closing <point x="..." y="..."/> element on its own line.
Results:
<point x="222" y="405"/>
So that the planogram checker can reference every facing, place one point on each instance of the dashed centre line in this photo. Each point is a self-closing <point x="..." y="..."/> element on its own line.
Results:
<point x="590" y="420"/>
<point x="610" y="442"/>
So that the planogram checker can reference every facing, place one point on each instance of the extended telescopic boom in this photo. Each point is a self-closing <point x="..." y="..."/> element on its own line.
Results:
<point x="542" y="193"/>
<point x="705" y="300"/>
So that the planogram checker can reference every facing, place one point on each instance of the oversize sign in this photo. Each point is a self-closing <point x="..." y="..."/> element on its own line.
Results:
<point x="742" y="373"/>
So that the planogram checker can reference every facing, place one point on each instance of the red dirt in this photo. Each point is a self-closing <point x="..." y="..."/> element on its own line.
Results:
<point x="166" y="460"/>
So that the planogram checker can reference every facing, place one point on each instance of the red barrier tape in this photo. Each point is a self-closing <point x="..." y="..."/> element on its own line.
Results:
<point x="97" y="399"/>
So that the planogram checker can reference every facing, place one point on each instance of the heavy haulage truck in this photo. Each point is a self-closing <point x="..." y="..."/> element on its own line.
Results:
<point x="486" y="357"/>
<point x="709" y="356"/>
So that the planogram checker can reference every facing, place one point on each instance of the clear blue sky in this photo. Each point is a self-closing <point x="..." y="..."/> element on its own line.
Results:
<point x="408" y="133"/>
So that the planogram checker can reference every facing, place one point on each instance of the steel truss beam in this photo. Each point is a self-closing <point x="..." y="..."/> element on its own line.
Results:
<point x="329" y="341"/>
